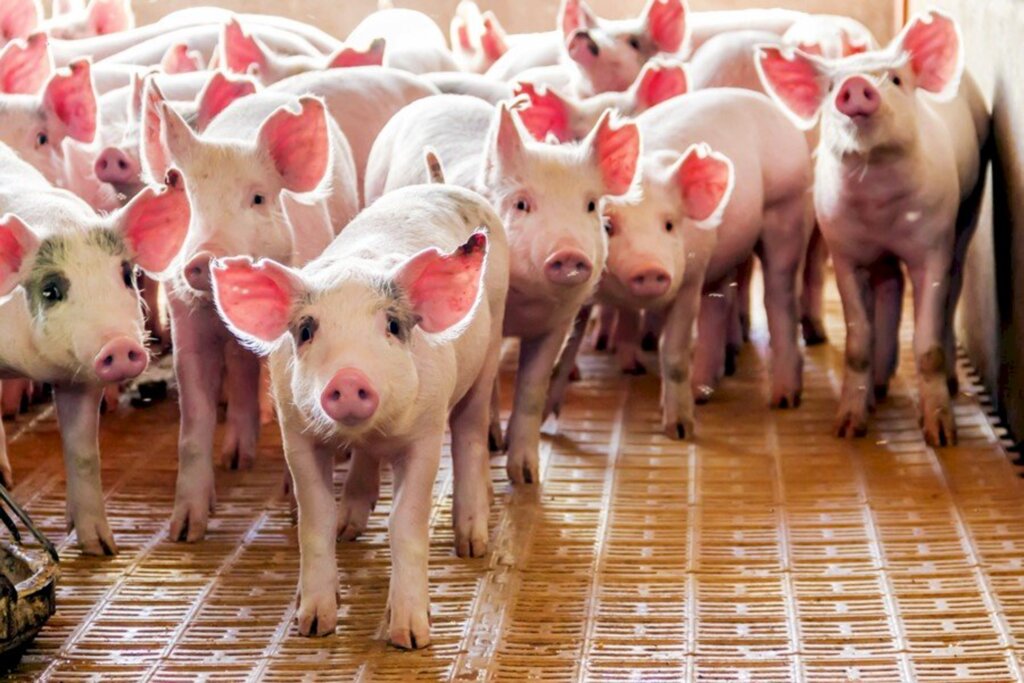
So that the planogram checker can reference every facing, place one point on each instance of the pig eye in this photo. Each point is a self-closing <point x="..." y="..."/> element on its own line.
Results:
<point x="669" y="226"/>
<point x="896" y="80"/>
<point x="523" y="205"/>
<point x="53" y="290"/>
<point x="609" y="227"/>
<point x="307" y="328"/>
<point x="394" y="326"/>
<point x="591" y="206"/>
<point x="128" y="274"/>
<point x="634" y="43"/>
<point x="41" y="139"/>
<point x="258" y="199"/>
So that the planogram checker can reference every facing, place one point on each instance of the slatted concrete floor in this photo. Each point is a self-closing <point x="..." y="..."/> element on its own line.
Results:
<point x="767" y="550"/>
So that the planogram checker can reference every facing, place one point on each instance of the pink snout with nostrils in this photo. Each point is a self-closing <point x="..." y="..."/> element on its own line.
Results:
<point x="649" y="282"/>
<point x="349" y="398"/>
<point x="568" y="267"/>
<point x="858" y="98"/>
<point x="114" y="166"/>
<point x="120" y="359"/>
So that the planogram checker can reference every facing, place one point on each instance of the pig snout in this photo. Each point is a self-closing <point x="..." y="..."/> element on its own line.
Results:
<point x="114" y="166"/>
<point x="197" y="271"/>
<point x="649" y="282"/>
<point x="349" y="397"/>
<point x="120" y="359"/>
<point x="858" y="97"/>
<point x="568" y="267"/>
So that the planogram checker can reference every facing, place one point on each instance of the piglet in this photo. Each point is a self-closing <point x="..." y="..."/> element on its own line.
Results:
<point x="97" y="18"/>
<point x="415" y="43"/>
<point x="897" y="182"/>
<point x="394" y="331"/>
<point x="59" y="261"/>
<point x="25" y="65"/>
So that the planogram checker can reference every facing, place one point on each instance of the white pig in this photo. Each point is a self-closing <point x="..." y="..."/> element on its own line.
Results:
<point x="897" y="178"/>
<point x="240" y="174"/>
<point x="414" y="41"/>
<point x="375" y="345"/>
<point x="70" y="314"/>
<point x="98" y="18"/>
<point x="25" y="65"/>
<point x="549" y="198"/>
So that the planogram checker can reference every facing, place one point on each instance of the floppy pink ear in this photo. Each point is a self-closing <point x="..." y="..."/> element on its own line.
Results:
<point x="239" y="50"/>
<point x="794" y="81"/>
<point x="155" y="224"/>
<point x="298" y="144"/>
<point x="109" y="16"/>
<point x="180" y="60"/>
<point x="936" y="56"/>
<point x="442" y="288"/>
<point x="705" y="179"/>
<point x="666" y="24"/>
<point x="255" y="298"/>
<point x="493" y="39"/>
<point x="71" y="98"/>
<point x="575" y="15"/>
<point x="547" y="112"/>
<point x="25" y="65"/>
<point x="220" y="91"/>
<point x="347" y="56"/>
<point x="18" y="18"/>
<point x="658" y="82"/>
<point x="616" y="152"/>
<point x="17" y="246"/>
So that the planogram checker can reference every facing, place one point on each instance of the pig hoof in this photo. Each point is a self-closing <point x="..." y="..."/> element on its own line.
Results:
<point x="939" y="428"/>
<point x="354" y="516"/>
<point x="412" y="632"/>
<point x="637" y="369"/>
<point x="702" y="394"/>
<point x="813" y="331"/>
<point x="495" y="439"/>
<point x="189" y="520"/>
<point x="602" y="343"/>
<point x="97" y="539"/>
<point x="849" y="426"/>
<point x="520" y="473"/>
<point x="471" y="538"/>
<point x="649" y="342"/>
<point x="787" y="401"/>
<point x="731" y="353"/>
<point x="881" y="392"/>
<point x="317" y="617"/>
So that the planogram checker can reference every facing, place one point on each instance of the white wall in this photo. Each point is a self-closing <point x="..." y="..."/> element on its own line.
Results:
<point x="339" y="16"/>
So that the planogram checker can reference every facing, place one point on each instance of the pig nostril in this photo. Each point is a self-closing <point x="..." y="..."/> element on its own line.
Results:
<point x="121" y="165"/>
<point x="363" y="395"/>
<point x="132" y="356"/>
<point x="335" y="395"/>
<point x="103" y="164"/>
<point x="109" y="360"/>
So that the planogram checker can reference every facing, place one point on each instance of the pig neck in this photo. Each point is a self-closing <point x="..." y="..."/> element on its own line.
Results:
<point x="883" y="171"/>
<point x="18" y="355"/>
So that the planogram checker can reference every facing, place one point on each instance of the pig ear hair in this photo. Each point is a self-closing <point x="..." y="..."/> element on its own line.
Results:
<point x="110" y="16"/>
<point x="346" y="57"/>
<point x="545" y="112"/>
<point x="615" y="148"/>
<point x="660" y="80"/>
<point x="179" y="60"/>
<point x="221" y="90"/>
<point x="18" y="245"/>
<point x="443" y="288"/>
<point x="155" y="223"/>
<point x="70" y="97"/>
<point x="19" y="18"/>
<point x="706" y="179"/>
<point x="797" y="82"/>
<point x="239" y="51"/>
<point x="934" y="46"/>
<point x="298" y="143"/>
<point x="435" y="169"/>
<point x="573" y="16"/>
<point x="255" y="299"/>
<point x="25" y="65"/>
<point x="667" y="25"/>
<point x="310" y="225"/>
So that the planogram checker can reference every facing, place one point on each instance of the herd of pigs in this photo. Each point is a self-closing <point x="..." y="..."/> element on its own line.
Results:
<point x="364" y="221"/>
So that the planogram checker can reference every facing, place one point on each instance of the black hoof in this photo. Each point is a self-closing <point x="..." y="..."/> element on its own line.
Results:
<point x="680" y="430"/>
<point x="649" y="342"/>
<point x="881" y="392"/>
<point x="731" y="354"/>
<point x="602" y="343"/>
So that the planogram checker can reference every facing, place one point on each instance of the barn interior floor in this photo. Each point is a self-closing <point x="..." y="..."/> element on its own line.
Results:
<point x="764" y="550"/>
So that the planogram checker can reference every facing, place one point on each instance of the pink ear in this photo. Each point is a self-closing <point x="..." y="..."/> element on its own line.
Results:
<point x="933" y="42"/>
<point x="658" y="82"/>
<point x="180" y="60"/>
<point x="575" y="15"/>
<point x="617" y="151"/>
<point x="155" y="224"/>
<point x="18" y="18"/>
<point x="110" y="16"/>
<point x="298" y="144"/>
<point x="70" y="97"/>
<point x="255" y="298"/>
<point x="794" y="81"/>
<point x="25" y="65"/>
<point x="347" y="56"/>
<point x="546" y="112"/>
<point x="492" y="40"/>
<point x="17" y="244"/>
<point x="666" y="24"/>
<point x="153" y="151"/>
<point x="851" y="48"/>
<point x="460" y="34"/>
<point x="705" y="180"/>
<point x="508" y="142"/>
<point x="240" y="50"/>
<point x="442" y="288"/>
<point x="220" y="91"/>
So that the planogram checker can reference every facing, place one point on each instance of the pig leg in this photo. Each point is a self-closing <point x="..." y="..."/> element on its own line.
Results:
<point x="359" y="497"/>
<point x="471" y="504"/>
<point x="709" y="360"/>
<point x="677" y="399"/>
<point x="605" y="329"/>
<point x="14" y="396"/>
<point x="6" y="474"/>
<point x="312" y="470"/>
<point x="561" y="377"/>
<point x="150" y="290"/>
<point x="495" y="437"/>
<point x="78" y="414"/>
<point x="858" y="301"/>
<point x="812" y="298"/>
<point x="887" y="284"/>
<point x="744" y="278"/>
<point x="409" y="532"/>
<point x="243" y="419"/>
<point x="627" y="342"/>
<point x="931" y="289"/>
<point x="198" y="364"/>
<point x="537" y="357"/>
